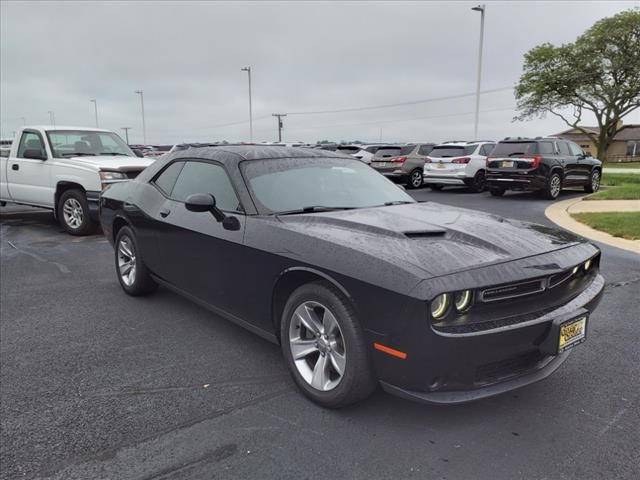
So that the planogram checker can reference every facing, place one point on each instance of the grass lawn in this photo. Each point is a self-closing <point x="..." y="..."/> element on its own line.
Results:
<point x="621" y="165"/>
<point x="621" y="186"/>
<point x="618" y="224"/>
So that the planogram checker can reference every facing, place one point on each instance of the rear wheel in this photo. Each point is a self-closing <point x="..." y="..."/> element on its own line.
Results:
<point x="74" y="214"/>
<point x="479" y="182"/>
<point x="415" y="178"/>
<point x="594" y="182"/>
<point x="324" y="347"/>
<point x="437" y="188"/>
<point x="496" y="191"/>
<point x="554" y="186"/>
<point x="132" y="273"/>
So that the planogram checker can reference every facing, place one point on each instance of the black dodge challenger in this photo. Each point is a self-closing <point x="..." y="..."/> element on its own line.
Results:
<point x="360" y="284"/>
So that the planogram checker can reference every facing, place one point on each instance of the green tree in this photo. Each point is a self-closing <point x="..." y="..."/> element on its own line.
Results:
<point x="598" y="73"/>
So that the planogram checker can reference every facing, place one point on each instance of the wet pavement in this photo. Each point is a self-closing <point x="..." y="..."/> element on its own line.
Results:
<point x="98" y="385"/>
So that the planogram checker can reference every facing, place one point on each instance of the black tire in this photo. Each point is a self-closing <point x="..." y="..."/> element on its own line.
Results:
<point x="141" y="281"/>
<point x="554" y="186"/>
<point x="496" y="191"/>
<point x="416" y="179"/>
<point x="479" y="182"/>
<point x="593" y="184"/>
<point x="437" y="188"/>
<point x="76" y="220"/>
<point x="358" y="380"/>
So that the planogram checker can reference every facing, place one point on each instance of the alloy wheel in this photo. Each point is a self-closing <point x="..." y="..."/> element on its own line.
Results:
<point x="317" y="346"/>
<point x="126" y="261"/>
<point x="73" y="213"/>
<point x="416" y="179"/>
<point x="554" y="187"/>
<point x="595" y="181"/>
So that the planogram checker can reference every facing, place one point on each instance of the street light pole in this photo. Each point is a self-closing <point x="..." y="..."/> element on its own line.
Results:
<point x="144" y="128"/>
<point x="52" y="118"/>
<point x="280" y="125"/>
<point x="481" y="9"/>
<point x="126" y="133"/>
<point x="248" y="70"/>
<point x="95" y="106"/>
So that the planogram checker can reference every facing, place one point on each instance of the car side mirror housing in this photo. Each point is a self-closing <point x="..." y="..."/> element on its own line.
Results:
<point x="204" y="202"/>
<point x="34" y="154"/>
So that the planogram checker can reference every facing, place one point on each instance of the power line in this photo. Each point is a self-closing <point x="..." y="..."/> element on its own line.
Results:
<point x="401" y="104"/>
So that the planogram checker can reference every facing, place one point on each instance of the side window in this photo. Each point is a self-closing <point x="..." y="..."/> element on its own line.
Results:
<point x="564" y="148"/>
<point x="546" y="148"/>
<point x="167" y="179"/>
<point x="30" y="141"/>
<point x="425" y="149"/>
<point x="202" y="177"/>
<point x="575" y="149"/>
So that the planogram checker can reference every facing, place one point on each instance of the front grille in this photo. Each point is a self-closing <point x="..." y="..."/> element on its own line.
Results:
<point x="509" y="367"/>
<point x="512" y="290"/>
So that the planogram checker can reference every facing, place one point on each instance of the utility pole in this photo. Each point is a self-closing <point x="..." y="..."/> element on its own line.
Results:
<point x="144" y="128"/>
<point x="479" y="8"/>
<point x="248" y="70"/>
<point x="126" y="133"/>
<point x="280" y="126"/>
<point x="95" y="106"/>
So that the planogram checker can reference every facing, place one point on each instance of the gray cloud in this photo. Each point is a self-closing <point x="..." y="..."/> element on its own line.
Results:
<point x="305" y="56"/>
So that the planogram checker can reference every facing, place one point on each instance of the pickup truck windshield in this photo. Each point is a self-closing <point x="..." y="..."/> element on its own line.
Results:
<point x="76" y="143"/>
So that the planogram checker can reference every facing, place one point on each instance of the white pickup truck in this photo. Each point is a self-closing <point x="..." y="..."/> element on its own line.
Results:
<point x="64" y="169"/>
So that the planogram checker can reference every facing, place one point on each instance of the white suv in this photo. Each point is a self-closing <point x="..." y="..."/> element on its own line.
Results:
<point x="456" y="164"/>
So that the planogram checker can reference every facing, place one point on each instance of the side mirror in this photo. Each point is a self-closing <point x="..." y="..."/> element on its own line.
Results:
<point x="204" y="202"/>
<point x="34" y="153"/>
<point x="588" y="154"/>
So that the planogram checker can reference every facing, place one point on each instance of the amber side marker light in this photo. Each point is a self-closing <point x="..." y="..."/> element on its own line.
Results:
<point x="391" y="351"/>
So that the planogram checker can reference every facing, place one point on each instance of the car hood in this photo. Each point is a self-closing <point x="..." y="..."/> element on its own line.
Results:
<point x="122" y="163"/>
<point x="430" y="239"/>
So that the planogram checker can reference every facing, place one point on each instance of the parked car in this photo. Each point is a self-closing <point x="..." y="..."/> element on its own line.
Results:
<point x="157" y="151"/>
<point x="64" y="169"/>
<point x="361" y="152"/>
<point x="541" y="164"/>
<point x="458" y="163"/>
<point x="359" y="284"/>
<point x="403" y="164"/>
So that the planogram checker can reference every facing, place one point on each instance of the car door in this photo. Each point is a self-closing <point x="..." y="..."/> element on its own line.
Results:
<point x="200" y="257"/>
<point x="573" y="175"/>
<point x="29" y="179"/>
<point x="564" y="159"/>
<point x="582" y="167"/>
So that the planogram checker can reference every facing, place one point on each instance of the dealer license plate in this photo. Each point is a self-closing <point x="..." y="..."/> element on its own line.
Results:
<point x="440" y="165"/>
<point x="507" y="163"/>
<point x="572" y="333"/>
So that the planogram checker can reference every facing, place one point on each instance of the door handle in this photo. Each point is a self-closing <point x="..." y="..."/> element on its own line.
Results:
<point x="165" y="212"/>
<point x="15" y="166"/>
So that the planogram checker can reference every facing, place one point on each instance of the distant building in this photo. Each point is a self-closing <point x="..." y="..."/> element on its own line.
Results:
<point x="625" y="145"/>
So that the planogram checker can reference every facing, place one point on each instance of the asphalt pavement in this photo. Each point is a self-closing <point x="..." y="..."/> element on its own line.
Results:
<point x="95" y="384"/>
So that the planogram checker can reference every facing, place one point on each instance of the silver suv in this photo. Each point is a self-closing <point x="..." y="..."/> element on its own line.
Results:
<point x="403" y="164"/>
<point x="458" y="163"/>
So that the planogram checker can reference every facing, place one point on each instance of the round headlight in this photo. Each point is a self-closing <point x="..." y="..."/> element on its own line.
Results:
<point x="587" y="265"/>
<point x="440" y="305"/>
<point x="462" y="300"/>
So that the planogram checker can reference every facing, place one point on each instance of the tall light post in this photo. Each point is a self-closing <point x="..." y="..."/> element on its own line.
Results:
<point x="481" y="9"/>
<point x="144" y="128"/>
<point x="248" y="70"/>
<point x="95" y="107"/>
<point x="126" y="133"/>
<point x="52" y="118"/>
<point x="280" y="124"/>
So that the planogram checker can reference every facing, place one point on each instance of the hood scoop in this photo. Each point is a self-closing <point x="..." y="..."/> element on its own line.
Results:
<point x="432" y="233"/>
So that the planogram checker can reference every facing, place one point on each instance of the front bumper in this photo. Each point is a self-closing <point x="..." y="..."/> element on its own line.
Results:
<point x="93" y="199"/>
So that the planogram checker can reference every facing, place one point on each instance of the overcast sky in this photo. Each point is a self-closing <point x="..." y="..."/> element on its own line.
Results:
<point x="305" y="57"/>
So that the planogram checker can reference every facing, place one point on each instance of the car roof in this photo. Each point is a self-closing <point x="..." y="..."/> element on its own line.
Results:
<point x="528" y="139"/>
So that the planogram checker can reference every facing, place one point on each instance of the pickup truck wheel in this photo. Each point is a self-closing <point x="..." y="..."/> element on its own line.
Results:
<point x="74" y="215"/>
<point x="133" y="274"/>
<point x="554" y="186"/>
<point x="594" y="182"/>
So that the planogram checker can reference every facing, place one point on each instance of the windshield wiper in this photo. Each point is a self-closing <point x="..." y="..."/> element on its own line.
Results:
<point x="112" y="153"/>
<point x="313" y="209"/>
<point x="397" y="202"/>
<point x="77" y="154"/>
<point x="516" y="153"/>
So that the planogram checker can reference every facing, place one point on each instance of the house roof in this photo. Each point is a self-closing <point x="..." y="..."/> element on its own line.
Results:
<point x="628" y="132"/>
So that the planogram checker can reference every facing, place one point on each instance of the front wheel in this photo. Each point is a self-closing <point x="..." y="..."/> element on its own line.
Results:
<point x="415" y="178"/>
<point x="74" y="214"/>
<point x="324" y="347"/>
<point x="132" y="273"/>
<point x="554" y="185"/>
<point x="594" y="182"/>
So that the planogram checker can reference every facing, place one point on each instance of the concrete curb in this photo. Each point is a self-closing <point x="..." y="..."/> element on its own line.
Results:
<point x="558" y="214"/>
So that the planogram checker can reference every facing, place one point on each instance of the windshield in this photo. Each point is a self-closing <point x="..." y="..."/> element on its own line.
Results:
<point x="72" y="143"/>
<point x="285" y="184"/>
<point x="514" y="149"/>
<point x="348" y="149"/>
<point x="445" y="151"/>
